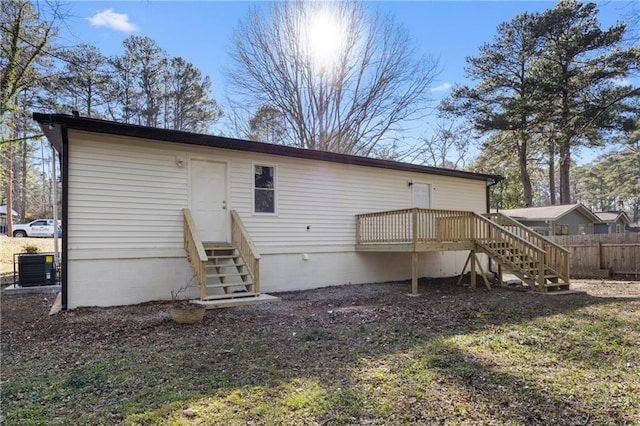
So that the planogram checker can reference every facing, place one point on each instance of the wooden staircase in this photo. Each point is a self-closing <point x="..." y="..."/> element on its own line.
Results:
<point x="536" y="260"/>
<point x="534" y="272"/>
<point x="226" y="272"/>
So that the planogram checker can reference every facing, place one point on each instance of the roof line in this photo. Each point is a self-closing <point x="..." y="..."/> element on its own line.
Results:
<point x="188" y="138"/>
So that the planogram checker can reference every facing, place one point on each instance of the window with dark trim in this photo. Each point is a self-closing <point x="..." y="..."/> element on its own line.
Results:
<point x="561" y="229"/>
<point x="264" y="189"/>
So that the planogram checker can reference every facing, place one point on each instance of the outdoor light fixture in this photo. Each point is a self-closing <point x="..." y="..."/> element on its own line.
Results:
<point x="410" y="183"/>
<point x="180" y="162"/>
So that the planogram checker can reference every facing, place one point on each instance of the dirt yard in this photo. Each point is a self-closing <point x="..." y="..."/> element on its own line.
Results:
<point x="358" y="354"/>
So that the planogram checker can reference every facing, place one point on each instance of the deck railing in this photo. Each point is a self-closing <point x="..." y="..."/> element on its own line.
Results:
<point x="242" y="241"/>
<point x="398" y="226"/>
<point x="195" y="251"/>
<point x="556" y="256"/>
<point x="413" y="226"/>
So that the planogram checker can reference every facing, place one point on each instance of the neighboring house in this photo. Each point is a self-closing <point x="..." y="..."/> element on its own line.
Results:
<point x="137" y="201"/>
<point x="567" y="219"/>
<point x="3" y="218"/>
<point x="612" y="222"/>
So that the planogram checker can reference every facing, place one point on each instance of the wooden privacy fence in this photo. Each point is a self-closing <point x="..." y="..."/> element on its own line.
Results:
<point x="619" y="253"/>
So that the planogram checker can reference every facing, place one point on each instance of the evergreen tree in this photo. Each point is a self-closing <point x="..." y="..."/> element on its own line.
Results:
<point x="504" y="100"/>
<point x="187" y="103"/>
<point x="579" y="73"/>
<point x="83" y="83"/>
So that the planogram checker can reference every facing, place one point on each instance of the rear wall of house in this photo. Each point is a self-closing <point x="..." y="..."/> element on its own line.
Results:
<point x="124" y="233"/>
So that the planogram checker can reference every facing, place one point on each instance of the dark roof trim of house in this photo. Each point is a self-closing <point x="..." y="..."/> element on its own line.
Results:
<point x="48" y="123"/>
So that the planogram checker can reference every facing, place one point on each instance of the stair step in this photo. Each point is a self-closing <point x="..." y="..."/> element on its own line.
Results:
<point x="557" y="287"/>
<point x="223" y="256"/>
<point x="238" y="274"/>
<point x="231" y="295"/>
<point x="223" y="265"/>
<point x="217" y="246"/>
<point x="227" y="285"/>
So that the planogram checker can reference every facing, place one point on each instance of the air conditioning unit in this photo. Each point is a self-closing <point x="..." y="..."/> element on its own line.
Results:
<point x="36" y="270"/>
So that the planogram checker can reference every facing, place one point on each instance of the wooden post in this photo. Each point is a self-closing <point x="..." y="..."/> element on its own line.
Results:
<point x="484" y="275"/>
<point x="499" y="274"/>
<point x="414" y="227"/>
<point x="463" y="269"/>
<point x="541" y="267"/>
<point x="256" y="276"/>
<point x="473" y="268"/>
<point x="599" y="255"/>
<point x="414" y="272"/>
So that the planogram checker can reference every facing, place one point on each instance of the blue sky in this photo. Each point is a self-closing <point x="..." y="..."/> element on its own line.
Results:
<point x="201" y="31"/>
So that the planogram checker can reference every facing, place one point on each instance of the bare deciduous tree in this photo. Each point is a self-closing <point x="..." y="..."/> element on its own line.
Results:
<point x="448" y="146"/>
<point x="343" y="79"/>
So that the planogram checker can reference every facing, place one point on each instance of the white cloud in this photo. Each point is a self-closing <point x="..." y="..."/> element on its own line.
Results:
<point x="442" y="87"/>
<point x="110" y="19"/>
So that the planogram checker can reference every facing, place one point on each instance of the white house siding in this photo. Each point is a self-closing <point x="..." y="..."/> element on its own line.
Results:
<point x="125" y="228"/>
<point x="124" y="232"/>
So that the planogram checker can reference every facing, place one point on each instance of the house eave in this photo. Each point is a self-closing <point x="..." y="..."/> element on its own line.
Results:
<point x="49" y="121"/>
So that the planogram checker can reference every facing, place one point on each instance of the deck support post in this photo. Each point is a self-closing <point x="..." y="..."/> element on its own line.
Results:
<point x="500" y="274"/>
<point x="484" y="275"/>
<point x="472" y="256"/>
<point x="464" y="268"/>
<point x="414" y="272"/>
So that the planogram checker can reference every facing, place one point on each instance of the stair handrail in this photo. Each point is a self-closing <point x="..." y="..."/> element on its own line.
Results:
<point x="504" y="230"/>
<point x="195" y="250"/>
<point x="242" y="240"/>
<point x="537" y="253"/>
<point x="543" y="241"/>
<point x="525" y="228"/>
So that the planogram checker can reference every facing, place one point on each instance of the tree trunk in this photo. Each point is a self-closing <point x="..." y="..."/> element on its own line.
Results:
<point x="23" y="181"/>
<point x="565" y="167"/>
<point x="552" y="172"/>
<point x="524" y="175"/>
<point x="9" y="188"/>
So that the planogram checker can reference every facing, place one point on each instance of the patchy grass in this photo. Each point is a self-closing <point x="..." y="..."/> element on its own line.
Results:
<point x="347" y="355"/>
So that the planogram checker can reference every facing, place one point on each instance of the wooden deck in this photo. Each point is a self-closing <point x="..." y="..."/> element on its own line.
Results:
<point x="535" y="259"/>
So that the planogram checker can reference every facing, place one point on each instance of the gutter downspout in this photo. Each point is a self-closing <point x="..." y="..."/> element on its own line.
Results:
<point x="65" y="215"/>
<point x="496" y="180"/>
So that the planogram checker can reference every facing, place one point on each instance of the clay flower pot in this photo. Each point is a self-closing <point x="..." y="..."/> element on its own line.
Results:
<point x="187" y="313"/>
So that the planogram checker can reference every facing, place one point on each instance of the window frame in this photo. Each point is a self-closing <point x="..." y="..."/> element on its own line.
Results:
<point x="253" y="188"/>
<point x="561" y="226"/>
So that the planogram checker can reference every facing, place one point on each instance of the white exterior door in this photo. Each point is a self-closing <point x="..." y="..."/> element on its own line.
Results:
<point x="421" y="195"/>
<point x="209" y="199"/>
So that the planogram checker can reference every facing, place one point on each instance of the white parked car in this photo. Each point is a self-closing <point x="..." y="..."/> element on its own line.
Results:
<point x="37" y="228"/>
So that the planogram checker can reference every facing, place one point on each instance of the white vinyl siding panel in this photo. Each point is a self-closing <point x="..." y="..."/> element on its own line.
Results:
<point x="123" y="195"/>
<point x="124" y="232"/>
<point x="126" y="192"/>
<point x="326" y="197"/>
